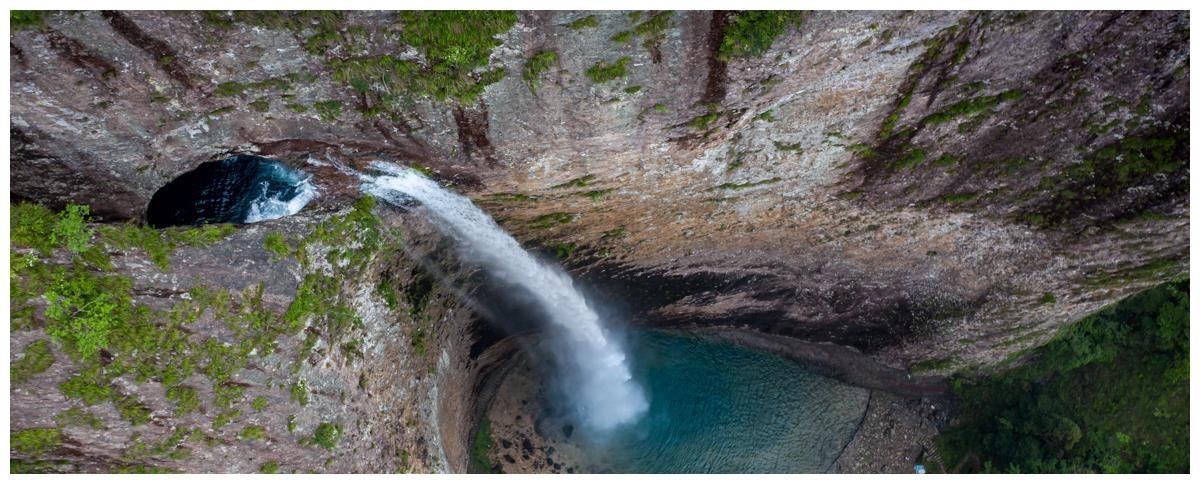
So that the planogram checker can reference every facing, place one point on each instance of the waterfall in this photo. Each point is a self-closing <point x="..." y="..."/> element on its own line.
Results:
<point x="596" y="370"/>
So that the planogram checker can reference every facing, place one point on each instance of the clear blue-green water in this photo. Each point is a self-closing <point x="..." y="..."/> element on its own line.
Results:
<point x="720" y="408"/>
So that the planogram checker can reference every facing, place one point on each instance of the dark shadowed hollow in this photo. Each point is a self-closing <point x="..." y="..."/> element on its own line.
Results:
<point x="240" y="189"/>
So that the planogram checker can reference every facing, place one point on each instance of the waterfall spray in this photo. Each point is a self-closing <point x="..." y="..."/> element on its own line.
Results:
<point x="602" y="387"/>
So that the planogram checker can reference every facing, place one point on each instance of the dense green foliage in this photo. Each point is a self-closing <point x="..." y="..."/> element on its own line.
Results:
<point x="1109" y="394"/>
<point x="326" y="435"/>
<point x="751" y="33"/>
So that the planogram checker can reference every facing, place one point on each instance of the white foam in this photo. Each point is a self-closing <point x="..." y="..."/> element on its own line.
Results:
<point x="270" y="208"/>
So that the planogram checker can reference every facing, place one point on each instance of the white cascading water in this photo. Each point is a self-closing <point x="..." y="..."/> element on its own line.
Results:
<point x="604" y="392"/>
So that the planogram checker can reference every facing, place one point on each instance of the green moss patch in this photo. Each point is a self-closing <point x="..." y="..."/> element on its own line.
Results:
<point x="26" y="19"/>
<point x="35" y="442"/>
<point x="973" y="106"/>
<point x="36" y="358"/>
<point x="584" y="23"/>
<point x="538" y="64"/>
<point x="751" y="33"/>
<point x="481" y="445"/>
<point x="601" y="72"/>
<point x="551" y="220"/>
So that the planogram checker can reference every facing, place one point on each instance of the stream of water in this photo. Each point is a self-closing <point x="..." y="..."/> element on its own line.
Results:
<point x="592" y="365"/>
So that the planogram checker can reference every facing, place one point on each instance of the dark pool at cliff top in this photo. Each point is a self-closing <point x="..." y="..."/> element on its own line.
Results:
<point x="720" y="408"/>
<point x="239" y="189"/>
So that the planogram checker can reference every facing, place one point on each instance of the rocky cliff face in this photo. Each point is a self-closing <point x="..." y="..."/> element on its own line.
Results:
<point x="935" y="190"/>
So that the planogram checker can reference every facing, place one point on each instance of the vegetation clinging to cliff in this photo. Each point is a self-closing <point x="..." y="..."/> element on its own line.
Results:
<point x="26" y="19"/>
<point x="536" y="65"/>
<point x="751" y="33"/>
<point x="608" y="71"/>
<point x="1110" y="394"/>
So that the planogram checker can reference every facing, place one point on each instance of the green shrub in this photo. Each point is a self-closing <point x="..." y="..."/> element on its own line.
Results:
<point x="326" y="435"/>
<point x="793" y="147"/>
<point x="31" y="225"/>
<point x="911" y="159"/>
<point x="259" y="403"/>
<point x="269" y="467"/>
<point x="71" y="229"/>
<point x="84" y="307"/>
